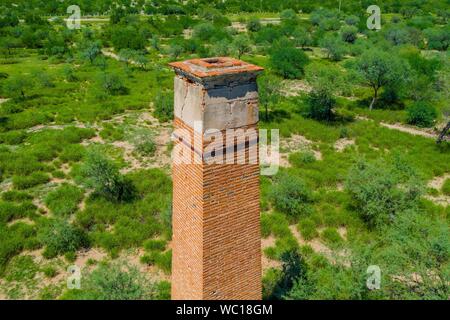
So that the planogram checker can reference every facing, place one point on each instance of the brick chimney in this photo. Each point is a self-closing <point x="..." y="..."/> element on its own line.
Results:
<point x="216" y="210"/>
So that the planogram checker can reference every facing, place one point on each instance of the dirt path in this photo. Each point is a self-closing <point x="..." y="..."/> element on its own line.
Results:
<point x="427" y="133"/>
<point x="410" y="130"/>
<point x="115" y="56"/>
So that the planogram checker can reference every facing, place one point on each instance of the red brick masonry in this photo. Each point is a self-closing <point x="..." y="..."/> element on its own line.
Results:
<point x="216" y="231"/>
<point x="216" y="207"/>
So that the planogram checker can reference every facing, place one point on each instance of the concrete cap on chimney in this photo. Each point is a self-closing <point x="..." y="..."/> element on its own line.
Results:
<point x="202" y="70"/>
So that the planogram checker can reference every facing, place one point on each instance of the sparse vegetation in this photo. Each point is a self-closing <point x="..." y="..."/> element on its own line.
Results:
<point x="77" y="139"/>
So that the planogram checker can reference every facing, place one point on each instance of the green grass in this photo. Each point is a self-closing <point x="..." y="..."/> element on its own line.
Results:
<point x="64" y="200"/>
<point x="44" y="143"/>
<point x="446" y="187"/>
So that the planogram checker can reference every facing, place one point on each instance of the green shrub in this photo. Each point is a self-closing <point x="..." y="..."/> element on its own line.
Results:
<point x="64" y="200"/>
<point x="114" y="281"/>
<point x="321" y="104"/>
<point x="13" y="137"/>
<point x="113" y="85"/>
<point x="307" y="228"/>
<point x="17" y="196"/>
<point x="254" y="25"/>
<point x="276" y="224"/>
<point x="72" y="152"/>
<point x="349" y="34"/>
<point x="446" y="187"/>
<point x="146" y="148"/>
<point x="414" y="246"/>
<point x="49" y="271"/>
<point x="422" y="114"/>
<point x="19" y="87"/>
<point x="288" y="61"/>
<point x="302" y="157"/>
<point x="103" y="175"/>
<point x="21" y="268"/>
<point x="163" y="290"/>
<point x="334" y="47"/>
<point x="112" y="132"/>
<point x="60" y="237"/>
<point x="292" y="196"/>
<point x="155" y="244"/>
<point x="13" y="240"/>
<point x="58" y="174"/>
<point x="32" y="180"/>
<point x="294" y="269"/>
<point x="163" y="106"/>
<point x="380" y="190"/>
<point x="331" y="236"/>
<point x="11" y="211"/>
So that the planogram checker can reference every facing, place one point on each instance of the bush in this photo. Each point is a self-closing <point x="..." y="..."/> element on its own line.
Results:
<point x="11" y="211"/>
<point x="13" y="137"/>
<point x="334" y="47"/>
<point x="331" y="236"/>
<point x="415" y="246"/>
<point x="302" y="157"/>
<point x="422" y="114"/>
<point x="18" y="87"/>
<point x="292" y="196"/>
<point x="307" y="228"/>
<point x="113" y="85"/>
<point x="72" y="152"/>
<point x="254" y="25"/>
<point x="163" y="260"/>
<point x="60" y="237"/>
<point x="320" y="105"/>
<point x="115" y="281"/>
<point x="105" y="178"/>
<point x="64" y="200"/>
<point x="155" y="244"/>
<point x="294" y="269"/>
<point x="34" y="179"/>
<point x="446" y="187"/>
<point x="204" y="31"/>
<point x="380" y="190"/>
<point x="15" y="195"/>
<point x="69" y="74"/>
<point x="438" y="38"/>
<point x="288" y="61"/>
<point x="348" y="34"/>
<point x="163" y="104"/>
<point x="352" y="20"/>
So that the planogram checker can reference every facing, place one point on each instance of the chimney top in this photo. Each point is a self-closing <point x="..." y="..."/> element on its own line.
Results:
<point x="202" y="69"/>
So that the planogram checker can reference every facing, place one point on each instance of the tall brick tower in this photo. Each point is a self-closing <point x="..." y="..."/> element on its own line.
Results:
<point x="216" y="214"/>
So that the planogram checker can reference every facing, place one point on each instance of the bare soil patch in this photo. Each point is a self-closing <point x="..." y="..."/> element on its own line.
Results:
<point x="342" y="144"/>
<point x="294" y="144"/>
<point x="437" y="183"/>
<point x="293" y="88"/>
<point x="340" y="256"/>
<point x="265" y="261"/>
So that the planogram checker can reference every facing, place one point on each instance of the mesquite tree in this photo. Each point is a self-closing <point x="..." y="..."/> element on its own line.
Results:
<point x="381" y="69"/>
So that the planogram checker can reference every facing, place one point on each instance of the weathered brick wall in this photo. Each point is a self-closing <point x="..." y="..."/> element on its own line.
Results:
<point x="216" y="208"/>
<point x="187" y="225"/>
